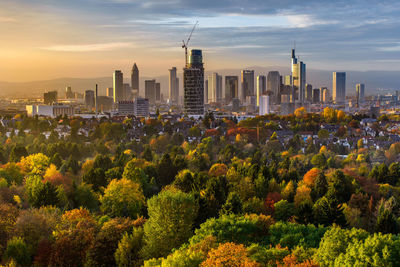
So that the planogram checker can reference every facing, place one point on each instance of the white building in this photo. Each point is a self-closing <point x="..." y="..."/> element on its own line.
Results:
<point x="50" y="110"/>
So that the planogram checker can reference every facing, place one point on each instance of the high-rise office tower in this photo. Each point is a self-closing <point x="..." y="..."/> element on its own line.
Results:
<point x="109" y="92"/>
<point x="247" y="83"/>
<point x="118" y="85"/>
<point x="206" y="91"/>
<point x="68" y="93"/>
<point x="309" y="93"/>
<point x="324" y="94"/>
<point x="261" y="87"/>
<point x="89" y="99"/>
<point x="193" y="84"/>
<point x="288" y="80"/>
<point x="231" y="88"/>
<point x="298" y="78"/>
<point x="360" y="91"/>
<point x="214" y="88"/>
<point x="173" y="86"/>
<point x="264" y="105"/>
<point x="316" y="96"/>
<point x="127" y="92"/>
<point x="135" y="79"/>
<point x="150" y="91"/>
<point x="339" y="87"/>
<point x="158" y="93"/>
<point x="273" y="85"/>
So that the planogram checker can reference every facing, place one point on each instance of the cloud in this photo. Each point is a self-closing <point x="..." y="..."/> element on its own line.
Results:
<point x="8" y="19"/>
<point x="88" y="47"/>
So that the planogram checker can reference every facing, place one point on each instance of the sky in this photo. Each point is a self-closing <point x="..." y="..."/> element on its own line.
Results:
<point x="46" y="39"/>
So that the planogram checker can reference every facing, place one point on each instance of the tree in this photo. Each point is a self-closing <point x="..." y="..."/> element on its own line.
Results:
<point x="122" y="198"/>
<point x="95" y="177"/>
<point x="323" y="134"/>
<point x="320" y="187"/>
<point x="17" y="250"/>
<point x="147" y="154"/>
<point x="327" y="211"/>
<point x="17" y="152"/>
<point x="165" y="170"/>
<point x="171" y="219"/>
<point x="128" y="251"/>
<point x="102" y="249"/>
<point x="229" y="254"/>
<point x="283" y="210"/>
<point x="84" y="196"/>
<point x="35" y="164"/>
<point x="300" y="112"/>
<point x="41" y="194"/>
<point x="233" y="204"/>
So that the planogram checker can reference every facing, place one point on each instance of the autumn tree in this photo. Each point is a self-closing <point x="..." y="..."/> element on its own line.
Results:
<point x="171" y="219"/>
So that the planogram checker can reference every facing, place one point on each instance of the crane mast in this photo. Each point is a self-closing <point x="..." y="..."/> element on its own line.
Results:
<point x="185" y="44"/>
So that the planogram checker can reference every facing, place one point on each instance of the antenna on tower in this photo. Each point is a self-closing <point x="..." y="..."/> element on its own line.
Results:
<point x="185" y="44"/>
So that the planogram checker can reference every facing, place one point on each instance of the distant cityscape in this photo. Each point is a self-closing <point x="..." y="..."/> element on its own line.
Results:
<point x="232" y="95"/>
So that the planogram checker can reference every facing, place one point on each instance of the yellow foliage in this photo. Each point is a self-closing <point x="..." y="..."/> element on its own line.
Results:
<point x="218" y="169"/>
<point x="323" y="150"/>
<point x="302" y="195"/>
<point x="300" y="112"/>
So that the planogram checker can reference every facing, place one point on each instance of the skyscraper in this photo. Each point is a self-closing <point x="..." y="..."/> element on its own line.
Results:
<point x="109" y="92"/>
<point x="193" y="84"/>
<point x="68" y="93"/>
<point x="325" y="94"/>
<point x="316" y="96"/>
<point x="298" y="78"/>
<point x="247" y="82"/>
<point x="135" y="79"/>
<point x="150" y="91"/>
<point x="309" y="93"/>
<point x="231" y="88"/>
<point x="339" y="87"/>
<point x="273" y="85"/>
<point x="360" y="88"/>
<point x="127" y="92"/>
<point x="173" y="86"/>
<point x="261" y="87"/>
<point x="158" y="93"/>
<point x="264" y="105"/>
<point x="214" y="88"/>
<point x="89" y="99"/>
<point x="118" y="85"/>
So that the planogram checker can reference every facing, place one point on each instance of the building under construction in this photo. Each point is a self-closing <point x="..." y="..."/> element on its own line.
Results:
<point x="193" y="83"/>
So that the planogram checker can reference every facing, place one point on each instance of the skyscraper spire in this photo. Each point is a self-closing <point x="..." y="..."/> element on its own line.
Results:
<point x="135" y="79"/>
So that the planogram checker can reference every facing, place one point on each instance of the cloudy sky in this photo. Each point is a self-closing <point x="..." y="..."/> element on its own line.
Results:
<point x="44" y="39"/>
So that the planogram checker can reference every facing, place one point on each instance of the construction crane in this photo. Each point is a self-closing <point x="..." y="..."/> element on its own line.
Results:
<point x="185" y="44"/>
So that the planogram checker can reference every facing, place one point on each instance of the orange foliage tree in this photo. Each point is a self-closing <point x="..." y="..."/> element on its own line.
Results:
<point x="229" y="254"/>
<point x="310" y="176"/>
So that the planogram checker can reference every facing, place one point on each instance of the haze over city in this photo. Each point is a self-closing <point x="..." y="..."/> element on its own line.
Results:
<point x="91" y="38"/>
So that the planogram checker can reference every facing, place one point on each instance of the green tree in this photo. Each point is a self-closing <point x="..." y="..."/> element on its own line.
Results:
<point x="283" y="210"/>
<point x="170" y="224"/>
<point x="17" y="250"/>
<point x="128" y="251"/>
<point x="122" y="198"/>
<point x="327" y="211"/>
<point x="233" y="204"/>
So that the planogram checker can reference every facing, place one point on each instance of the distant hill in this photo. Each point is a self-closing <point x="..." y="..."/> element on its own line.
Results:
<point x="375" y="81"/>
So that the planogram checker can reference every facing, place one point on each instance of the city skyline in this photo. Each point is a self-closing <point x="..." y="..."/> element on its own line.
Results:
<point x="91" y="39"/>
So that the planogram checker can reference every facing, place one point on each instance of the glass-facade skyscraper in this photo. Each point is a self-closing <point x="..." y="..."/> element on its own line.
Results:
<point x="193" y="84"/>
<point x="339" y="87"/>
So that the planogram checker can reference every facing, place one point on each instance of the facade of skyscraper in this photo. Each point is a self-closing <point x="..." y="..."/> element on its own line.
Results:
<point x="360" y="91"/>
<point x="273" y="85"/>
<point x="298" y="78"/>
<point x="316" y="96"/>
<point x="193" y="84"/>
<point x="214" y="88"/>
<point x="231" y="88"/>
<point x="127" y="92"/>
<point x="150" y="91"/>
<point x="325" y="94"/>
<point x="309" y="93"/>
<point x="89" y="99"/>
<point x="109" y="92"/>
<point x="264" y="105"/>
<point x="158" y="93"/>
<point x="261" y="87"/>
<point x="288" y="80"/>
<point x="173" y="86"/>
<point x="135" y="80"/>
<point x="68" y="93"/>
<point x="339" y="87"/>
<point x="247" y="83"/>
<point x="118" y="86"/>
